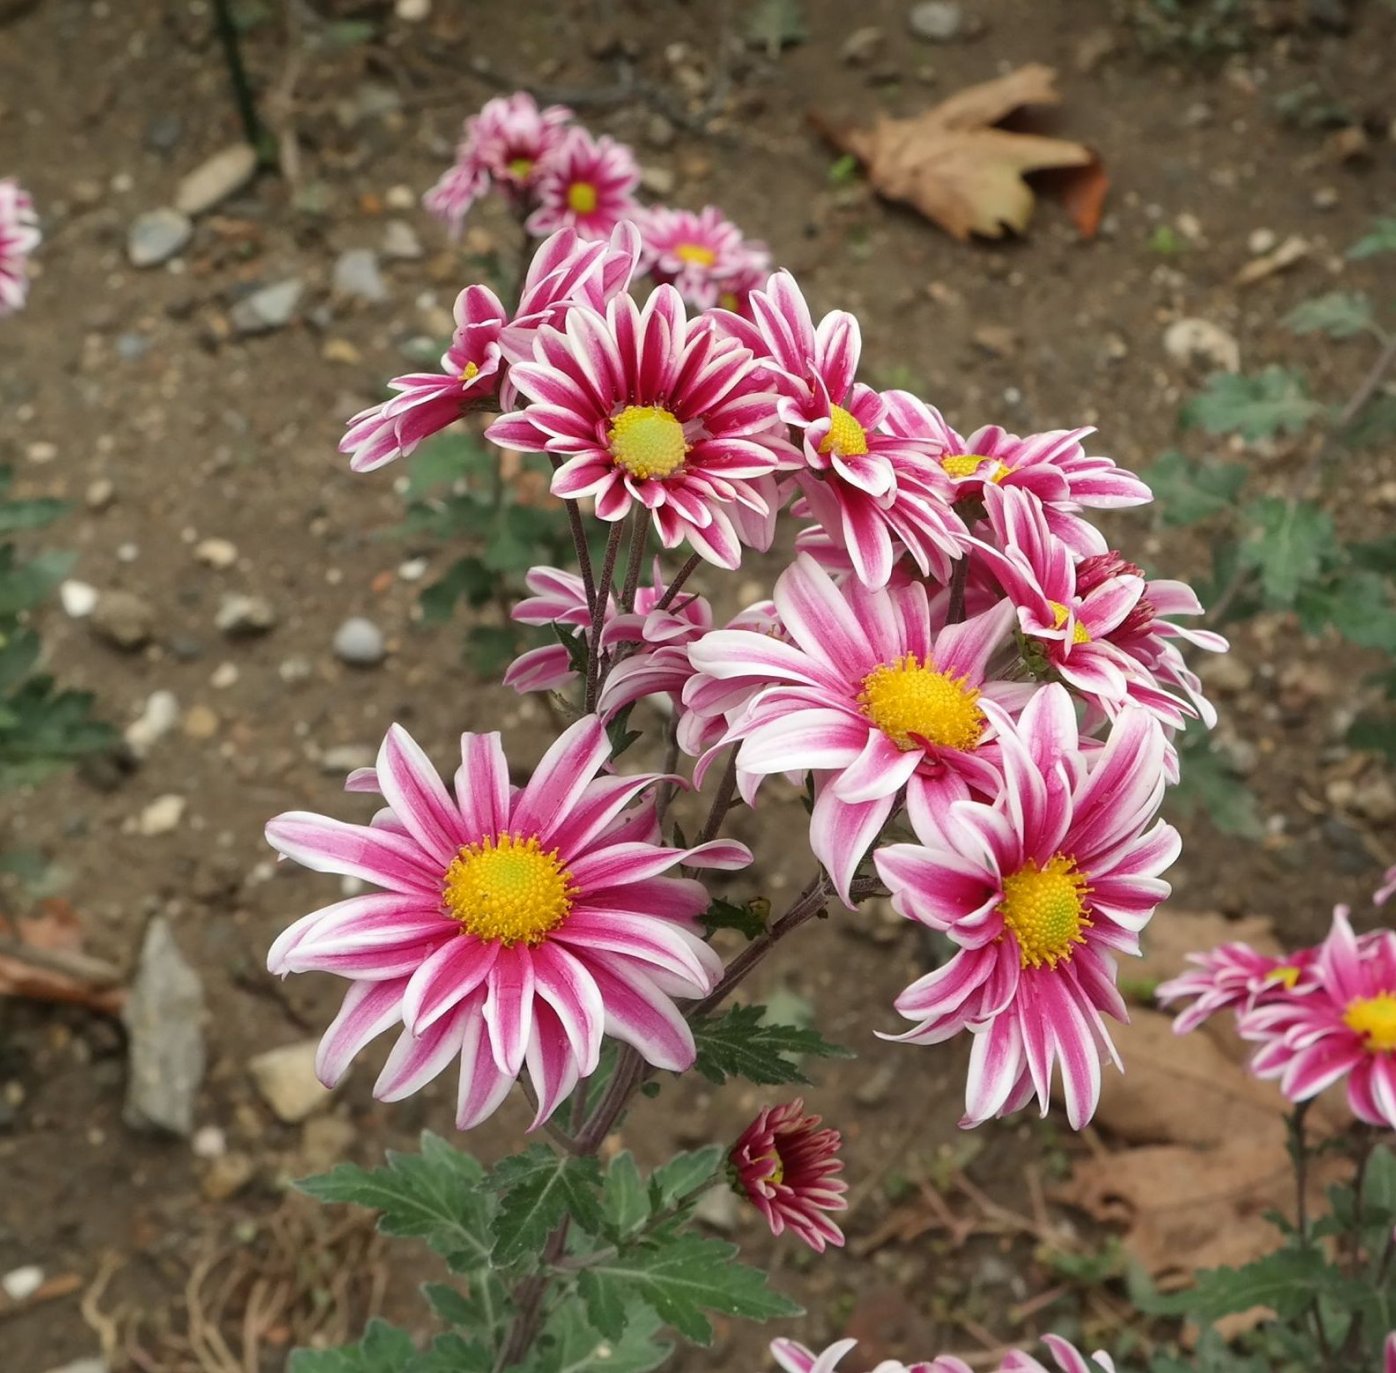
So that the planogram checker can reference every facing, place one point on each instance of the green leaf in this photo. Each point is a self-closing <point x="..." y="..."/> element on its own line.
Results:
<point x="1259" y="407"/>
<point x="571" y="1344"/>
<point x="1374" y="425"/>
<point x="23" y="585"/>
<point x="536" y="1189"/>
<point x="1382" y="239"/>
<point x="16" y="515"/>
<point x="467" y="577"/>
<point x="1284" y="1281"/>
<point x="685" y="1174"/>
<point x="776" y="24"/>
<point x="452" y="1354"/>
<point x="437" y="1195"/>
<point x="738" y="1044"/>
<point x="489" y="648"/>
<point x="481" y="1308"/>
<point x="679" y="1280"/>
<point x="383" y="1349"/>
<point x="1339" y="314"/>
<point x="1357" y="603"/>
<point x="1189" y="492"/>
<point x="1373" y="734"/>
<point x="748" y="919"/>
<point x="624" y="1197"/>
<point x="1209" y="784"/>
<point x="1288" y="543"/>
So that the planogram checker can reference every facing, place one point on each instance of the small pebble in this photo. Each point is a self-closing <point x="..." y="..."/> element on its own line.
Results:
<point x="161" y="816"/>
<point x="241" y="616"/>
<point x="937" y="21"/>
<point x="78" y="599"/>
<point x="160" y="715"/>
<point x="209" y="1142"/>
<point x="156" y="236"/>
<point x="215" y="179"/>
<point x="359" y="642"/>
<point x="224" y="676"/>
<point x="294" y="670"/>
<point x="356" y="274"/>
<point x="269" y="308"/>
<point x="219" y="553"/>
<point x="400" y="241"/>
<point x="122" y="618"/>
<point x="100" y="493"/>
<point x="21" y="1283"/>
<point x="200" y="722"/>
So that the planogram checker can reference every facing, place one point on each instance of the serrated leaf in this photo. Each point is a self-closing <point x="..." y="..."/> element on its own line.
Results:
<point x="1288" y="543"/>
<point x="1357" y="603"/>
<point x="383" y="1349"/>
<point x="436" y="1195"/>
<point x="1382" y="239"/>
<point x="481" y="1308"/>
<point x="738" y="1044"/>
<point x="453" y="1354"/>
<point x="1189" y="492"/>
<point x="536" y="1189"/>
<point x="1339" y="314"/>
<point x="1374" y="425"/>
<point x="748" y="919"/>
<point x="776" y="24"/>
<point x="23" y="585"/>
<point x="1284" y="1281"/>
<point x="679" y="1280"/>
<point x="624" y="1197"/>
<point x="17" y="515"/>
<point x="684" y="1174"/>
<point x="1259" y="407"/>
<point x="571" y="1344"/>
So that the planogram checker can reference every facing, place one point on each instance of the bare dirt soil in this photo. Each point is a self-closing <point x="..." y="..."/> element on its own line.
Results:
<point x="128" y="392"/>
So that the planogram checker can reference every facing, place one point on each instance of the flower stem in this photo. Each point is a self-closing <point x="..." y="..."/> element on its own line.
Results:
<point x="722" y="802"/>
<point x="599" y="602"/>
<point x="579" y="542"/>
<point x="680" y="577"/>
<point x="958" y="578"/>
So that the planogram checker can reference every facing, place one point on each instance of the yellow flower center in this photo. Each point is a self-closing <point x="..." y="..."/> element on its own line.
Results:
<point x="469" y="372"/>
<point x="648" y="441"/>
<point x="1374" y="1018"/>
<point x="910" y="701"/>
<point x="1288" y="976"/>
<point x="846" y="436"/>
<point x="967" y="464"/>
<point x="521" y="167"/>
<point x="777" y="1174"/>
<point x="1079" y="634"/>
<point x="1046" y="910"/>
<point x="581" y="197"/>
<point x="506" y="889"/>
<point x="695" y="253"/>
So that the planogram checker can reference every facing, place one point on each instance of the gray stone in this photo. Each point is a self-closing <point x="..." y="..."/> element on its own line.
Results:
<point x="132" y="347"/>
<point x="163" y="132"/>
<point x="156" y="236"/>
<point x="122" y="618"/>
<point x="937" y="21"/>
<point x="216" y="179"/>
<point x="356" y="274"/>
<point x="359" y="642"/>
<point x="266" y="309"/>
<point x="718" y="1208"/>
<point x="286" y="1079"/>
<point x="400" y="241"/>
<point x="241" y="616"/>
<point x="164" y="1018"/>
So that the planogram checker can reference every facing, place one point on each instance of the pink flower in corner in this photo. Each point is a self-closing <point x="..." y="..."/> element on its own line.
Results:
<point x="644" y="405"/>
<point x="1235" y="977"/>
<point x="516" y="926"/>
<point x="1387" y="890"/>
<point x="787" y="1167"/>
<point x="1345" y="1027"/>
<point x="587" y="185"/>
<point x="1041" y="891"/>
<point x="19" y="236"/>
<point x="795" y="1358"/>
<point x="702" y="255"/>
<point x="869" y="695"/>
<point x="870" y="479"/>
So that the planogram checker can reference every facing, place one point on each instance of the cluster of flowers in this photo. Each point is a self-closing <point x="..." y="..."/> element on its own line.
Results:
<point x="19" y="236"/>
<point x="795" y="1358"/>
<point x="1319" y="1015"/>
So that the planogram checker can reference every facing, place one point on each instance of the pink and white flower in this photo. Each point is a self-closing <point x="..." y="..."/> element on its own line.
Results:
<point x="1387" y="890"/>
<point x="1235" y="977"/>
<point x="588" y="185"/>
<point x="19" y="236"/>
<point x="1041" y="891"/>
<point x="701" y="254"/>
<point x="788" y="1168"/>
<point x="515" y="928"/>
<point x="795" y="1358"/>
<point x="1053" y="466"/>
<point x="864" y="691"/>
<point x="870" y="478"/>
<point x="643" y="406"/>
<point x="1344" y="1027"/>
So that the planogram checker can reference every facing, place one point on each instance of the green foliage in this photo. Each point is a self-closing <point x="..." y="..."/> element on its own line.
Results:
<point x="679" y="1280"/>
<point x="1209" y="785"/>
<point x="776" y="24"/>
<point x="537" y="1189"/>
<point x="571" y="1344"/>
<point x="1273" y="402"/>
<point x="1288" y="543"/>
<point x="748" y="919"/>
<point x="1382" y="239"/>
<point x="739" y="1043"/>
<point x="1189" y="491"/>
<point x="383" y="1349"/>
<point x="1339" y="314"/>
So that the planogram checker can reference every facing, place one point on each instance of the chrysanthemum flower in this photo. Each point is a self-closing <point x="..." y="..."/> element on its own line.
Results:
<point x="870" y="477"/>
<point x="1053" y="466"/>
<point x="515" y="927"/>
<point x="588" y="185"/>
<point x="645" y="406"/>
<point x="456" y="190"/>
<point x="1097" y="620"/>
<point x="1235" y="977"/>
<point x="19" y="236"/>
<point x="1345" y="1027"/>
<point x="864" y="691"/>
<point x="787" y="1167"/>
<point x="1041" y="891"/>
<point x="795" y="1358"/>
<point x="702" y="255"/>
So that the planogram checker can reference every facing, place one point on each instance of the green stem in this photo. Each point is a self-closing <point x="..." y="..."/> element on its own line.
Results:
<point x="237" y="74"/>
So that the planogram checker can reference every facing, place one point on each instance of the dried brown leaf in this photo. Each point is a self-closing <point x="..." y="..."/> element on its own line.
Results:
<point x="958" y="170"/>
<point x="41" y="959"/>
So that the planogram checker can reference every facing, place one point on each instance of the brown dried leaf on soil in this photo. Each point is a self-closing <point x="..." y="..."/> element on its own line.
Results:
<point x="952" y="165"/>
<point x="41" y="959"/>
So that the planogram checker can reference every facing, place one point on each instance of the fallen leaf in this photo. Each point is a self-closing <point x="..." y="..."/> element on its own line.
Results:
<point x="1294" y="249"/>
<point x="41" y="959"/>
<point x="1082" y="191"/>
<point x="958" y="170"/>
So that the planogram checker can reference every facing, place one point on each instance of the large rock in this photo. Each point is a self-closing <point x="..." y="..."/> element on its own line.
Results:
<point x="216" y="179"/>
<point x="164" y="1018"/>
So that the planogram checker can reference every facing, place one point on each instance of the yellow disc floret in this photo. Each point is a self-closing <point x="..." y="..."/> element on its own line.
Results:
<point x="469" y="372"/>
<point x="648" y="441"/>
<point x="521" y="167"/>
<point x="967" y="464"/>
<point x="508" y="890"/>
<point x="1287" y="977"/>
<point x="909" y="700"/>
<point x="1079" y="633"/>
<point x="1374" y="1018"/>
<point x="1045" y="908"/>
<point x="846" y="436"/>
<point x="581" y="197"/>
<point x="696" y="254"/>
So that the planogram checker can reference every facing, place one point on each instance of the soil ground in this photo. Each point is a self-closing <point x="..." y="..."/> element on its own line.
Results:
<point x="132" y="378"/>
